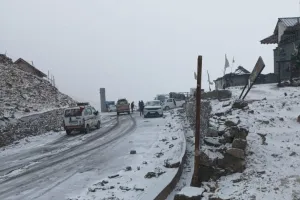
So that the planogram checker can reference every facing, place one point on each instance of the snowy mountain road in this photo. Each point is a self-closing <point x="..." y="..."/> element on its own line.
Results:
<point x="32" y="174"/>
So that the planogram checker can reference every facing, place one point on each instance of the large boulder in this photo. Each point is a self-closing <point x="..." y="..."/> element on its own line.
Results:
<point x="239" y="104"/>
<point x="238" y="132"/>
<point x="212" y="132"/>
<point x="238" y="153"/>
<point x="231" y="163"/>
<point x="212" y="141"/>
<point x="239" y="143"/>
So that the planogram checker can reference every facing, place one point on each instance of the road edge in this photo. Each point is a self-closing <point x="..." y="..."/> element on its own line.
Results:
<point x="171" y="186"/>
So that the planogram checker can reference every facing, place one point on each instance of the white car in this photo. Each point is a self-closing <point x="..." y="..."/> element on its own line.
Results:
<point x="172" y="103"/>
<point x="112" y="108"/>
<point x="82" y="118"/>
<point x="153" y="108"/>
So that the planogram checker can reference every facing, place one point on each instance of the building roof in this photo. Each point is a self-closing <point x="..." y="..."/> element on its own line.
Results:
<point x="30" y="65"/>
<point x="241" y="70"/>
<point x="290" y="23"/>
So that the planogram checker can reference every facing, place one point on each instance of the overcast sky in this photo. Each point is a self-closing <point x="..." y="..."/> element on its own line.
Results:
<point x="134" y="48"/>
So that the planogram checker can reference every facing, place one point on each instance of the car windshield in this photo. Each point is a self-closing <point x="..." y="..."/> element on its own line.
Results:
<point x="122" y="102"/>
<point x="153" y="103"/>
<point x="73" y="112"/>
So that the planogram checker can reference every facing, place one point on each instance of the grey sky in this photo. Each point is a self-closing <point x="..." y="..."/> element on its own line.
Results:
<point x="134" y="48"/>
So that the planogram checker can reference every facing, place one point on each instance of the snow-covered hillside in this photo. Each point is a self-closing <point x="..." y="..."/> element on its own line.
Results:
<point x="272" y="161"/>
<point x="22" y="93"/>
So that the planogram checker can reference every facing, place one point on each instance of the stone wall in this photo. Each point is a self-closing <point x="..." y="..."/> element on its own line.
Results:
<point x="32" y="125"/>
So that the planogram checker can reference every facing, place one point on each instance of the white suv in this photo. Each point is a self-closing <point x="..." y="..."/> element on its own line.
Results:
<point x="153" y="108"/>
<point x="82" y="118"/>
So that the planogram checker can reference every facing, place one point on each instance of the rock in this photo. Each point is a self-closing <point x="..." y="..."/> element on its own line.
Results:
<point x="239" y="143"/>
<point x="281" y="119"/>
<point x="238" y="153"/>
<point x="27" y="110"/>
<point x="239" y="104"/>
<point x="174" y="138"/>
<point x="238" y="132"/>
<point x="113" y="176"/>
<point x="189" y="193"/>
<point x="171" y="165"/>
<point x="138" y="168"/>
<point x="124" y="188"/>
<point x="261" y="172"/>
<point x="251" y="112"/>
<point x="231" y="163"/>
<point x="204" y="159"/>
<point x="133" y="152"/>
<point x="171" y="146"/>
<point x="221" y="133"/>
<point x="220" y="114"/>
<point x="207" y="173"/>
<point x="92" y="189"/>
<point x="298" y="119"/>
<point x="263" y="137"/>
<point x="158" y="155"/>
<point x="237" y="180"/>
<point x="230" y="123"/>
<point x="285" y="94"/>
<point x="293" y="154"/>
<point x="139" y="189"/>
<point x="212" y="141"/>
<point x="150" y="175"/>
<point x="145" y="163"/>
<point x="212" y="132"/>
<point x="226" y="104"/>
<point x="128" y="168"/>
<point x="227" y="137"/>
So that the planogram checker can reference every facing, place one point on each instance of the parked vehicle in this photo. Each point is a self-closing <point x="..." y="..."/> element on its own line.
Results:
<point x="82" y="118"/>
<point x="153" y="108"/>
<point x="123" y="106"/>
<point x="112" y="108"/>
<point x="172" y="103"/>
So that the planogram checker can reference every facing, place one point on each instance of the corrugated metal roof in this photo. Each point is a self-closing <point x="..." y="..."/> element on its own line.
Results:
<point x="273" y="39"/>
<point x="288" y="22"/>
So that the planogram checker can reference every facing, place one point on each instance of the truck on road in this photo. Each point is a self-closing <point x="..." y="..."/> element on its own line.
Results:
<point x="123" y="106"/>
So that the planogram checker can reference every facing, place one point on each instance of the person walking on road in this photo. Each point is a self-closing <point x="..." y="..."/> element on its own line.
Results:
<point x="132" y="106"/>
<point x="142" y="107"/>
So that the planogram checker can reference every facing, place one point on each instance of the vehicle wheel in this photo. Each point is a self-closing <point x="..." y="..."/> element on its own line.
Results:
<point x="161" y="115"/>
<point x="87" y="129"/>
<point x="167" y="108"/>
<point x="98" y="125"/>
<point x="68" y="132"/>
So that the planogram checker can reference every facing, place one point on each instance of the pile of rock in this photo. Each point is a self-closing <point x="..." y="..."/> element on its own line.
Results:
<point x="22" y="93"/>
<point x="30" y="126"/>
<point x="224" y="146"/>
<point x="5" y="60"/>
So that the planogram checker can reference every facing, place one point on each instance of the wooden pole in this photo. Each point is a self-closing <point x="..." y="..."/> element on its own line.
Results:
<point x="195" y="181"/>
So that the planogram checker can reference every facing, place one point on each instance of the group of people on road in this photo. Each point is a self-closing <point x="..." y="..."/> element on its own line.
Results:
<point x="141" y="107"/>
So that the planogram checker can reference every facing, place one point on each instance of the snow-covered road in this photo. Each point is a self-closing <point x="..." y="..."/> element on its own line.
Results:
<point x="65" y="167"/>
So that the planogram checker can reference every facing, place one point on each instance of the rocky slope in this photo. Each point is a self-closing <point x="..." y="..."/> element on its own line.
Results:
<point x="22" y="95"/>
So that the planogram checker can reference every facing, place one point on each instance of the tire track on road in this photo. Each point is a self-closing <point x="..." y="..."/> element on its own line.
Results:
<point x="52" y="161"/>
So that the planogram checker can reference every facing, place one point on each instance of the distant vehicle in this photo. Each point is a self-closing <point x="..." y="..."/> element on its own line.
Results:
<point x="123" y="106"/>
<point x="172" y="103"/>
<point x="153" y="108"/>
<point x="112" y="108"/>
<point x="81" y="118"/>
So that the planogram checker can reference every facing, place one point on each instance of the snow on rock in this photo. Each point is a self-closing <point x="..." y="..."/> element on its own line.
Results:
<point x="23" y="98"/>
<point x="273" y="142"/>
<point x="189" y="193"/>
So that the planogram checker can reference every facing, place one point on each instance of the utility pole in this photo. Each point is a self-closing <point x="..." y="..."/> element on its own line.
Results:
<point x="195" y="180"/>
